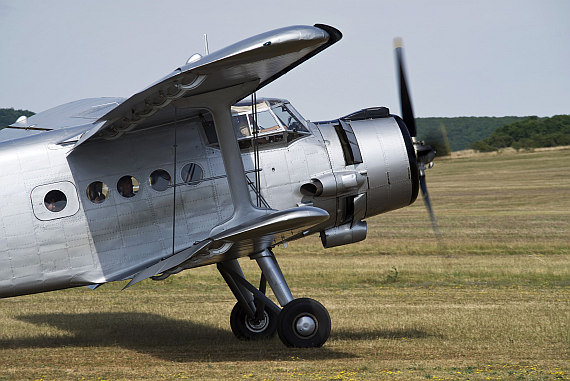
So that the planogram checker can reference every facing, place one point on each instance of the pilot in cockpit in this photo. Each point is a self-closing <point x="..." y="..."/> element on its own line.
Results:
<point x="241" y="125"/>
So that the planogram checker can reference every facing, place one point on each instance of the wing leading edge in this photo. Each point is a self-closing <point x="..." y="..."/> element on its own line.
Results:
<point x="262" y="59"/>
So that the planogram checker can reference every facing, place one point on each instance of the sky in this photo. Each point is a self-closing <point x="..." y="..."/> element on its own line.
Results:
<point x="464" y="58"/>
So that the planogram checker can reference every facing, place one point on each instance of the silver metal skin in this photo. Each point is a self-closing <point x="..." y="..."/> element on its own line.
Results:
<point x="386" y="162"/>
<point x="211" y="219"/>
<point x="389" y="176"/>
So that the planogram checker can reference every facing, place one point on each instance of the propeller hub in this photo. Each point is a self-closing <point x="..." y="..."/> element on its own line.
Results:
<point x="425" y="154"/>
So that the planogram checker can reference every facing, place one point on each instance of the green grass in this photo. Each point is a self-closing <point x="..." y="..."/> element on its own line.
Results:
<point x="491" y="301"/>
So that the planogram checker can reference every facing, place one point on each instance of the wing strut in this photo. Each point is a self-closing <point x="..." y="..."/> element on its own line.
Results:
<point x="219" y="103"/>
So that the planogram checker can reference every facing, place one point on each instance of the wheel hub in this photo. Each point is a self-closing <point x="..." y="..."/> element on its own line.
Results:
<point x="305" y="326"/>
<point x="257" y="325"/>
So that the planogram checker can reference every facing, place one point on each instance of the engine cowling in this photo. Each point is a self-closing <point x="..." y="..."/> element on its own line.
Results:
<point x="374" y="170"/>
<point x="389" y="158"/>
<point x="386" y="163"/>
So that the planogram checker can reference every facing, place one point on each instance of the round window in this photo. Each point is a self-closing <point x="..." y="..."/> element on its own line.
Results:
<point x="159" y="180"/>
<point x="192" y="173"/>
<point x="127" y="186"/>
<point x="97" y="192"/>
<point x="55" y="201"/>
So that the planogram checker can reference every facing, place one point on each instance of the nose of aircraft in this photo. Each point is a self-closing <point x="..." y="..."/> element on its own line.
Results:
<point x="390" y="161"/>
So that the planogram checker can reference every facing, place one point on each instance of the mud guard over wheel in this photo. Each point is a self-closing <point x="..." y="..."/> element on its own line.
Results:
<point x="304" y="323"/>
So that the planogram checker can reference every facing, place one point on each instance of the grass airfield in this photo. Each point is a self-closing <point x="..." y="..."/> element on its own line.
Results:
<point x="492" y="301"/>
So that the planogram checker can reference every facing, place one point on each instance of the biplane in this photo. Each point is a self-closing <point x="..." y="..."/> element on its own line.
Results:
<point x="195" y="170"/>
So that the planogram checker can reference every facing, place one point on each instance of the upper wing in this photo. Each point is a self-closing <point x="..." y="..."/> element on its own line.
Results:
<point x="262" y="59"/>
<point x="73" y="114"/>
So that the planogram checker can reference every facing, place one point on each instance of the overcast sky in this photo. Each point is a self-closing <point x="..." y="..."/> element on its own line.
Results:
<point x="464" y="58"/>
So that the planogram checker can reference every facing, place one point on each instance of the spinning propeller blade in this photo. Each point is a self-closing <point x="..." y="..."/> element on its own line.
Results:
<point x="405" y="101"/>
<point x="424" y="153"/>
<point x="427" y="201"/>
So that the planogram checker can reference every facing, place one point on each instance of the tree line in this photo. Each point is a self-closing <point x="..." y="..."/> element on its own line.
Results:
<point x="493" y="133"/>
<point x="9" y="116"/>
<point x="532" y="132"/>
<point x="460" y="131"/>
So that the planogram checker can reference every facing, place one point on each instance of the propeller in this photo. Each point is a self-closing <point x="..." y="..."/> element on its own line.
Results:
<point x="405" y="102"/>
<point x="425" y="154"/>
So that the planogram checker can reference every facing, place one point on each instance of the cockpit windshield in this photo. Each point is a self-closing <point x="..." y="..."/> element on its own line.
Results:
<point x="276" y="120"/>
<point x="272" y="117"/>
<point x="288" y="120"/>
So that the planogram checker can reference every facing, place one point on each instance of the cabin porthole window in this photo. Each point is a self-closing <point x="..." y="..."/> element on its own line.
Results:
<point x="97" y="192"/>
<point x="55" y="201"/>
<point x="192" y="174"/>
<point x="160" y="180"/>
<point x="128" y="186"/>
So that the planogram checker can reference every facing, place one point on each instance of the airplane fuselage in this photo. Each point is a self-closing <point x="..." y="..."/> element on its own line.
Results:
<point x="92" y="241"/>
<point x="179" y="175"/>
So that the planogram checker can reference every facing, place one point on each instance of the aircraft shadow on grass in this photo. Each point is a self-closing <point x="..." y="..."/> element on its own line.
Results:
<point x="390" y="334"/>
<point x="158" y="336"/>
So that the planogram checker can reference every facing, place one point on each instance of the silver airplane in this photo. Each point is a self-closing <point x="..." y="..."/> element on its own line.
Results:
<point x="194" y="170"/>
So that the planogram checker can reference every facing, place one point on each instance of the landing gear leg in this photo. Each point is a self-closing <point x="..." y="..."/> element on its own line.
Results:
<point x="303" y="322"/>
<point x="254" y="316"/>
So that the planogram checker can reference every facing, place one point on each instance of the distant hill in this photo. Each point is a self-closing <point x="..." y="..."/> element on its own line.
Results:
<point x="532" y="132"/>
<point x="461" y="131"/>
<point x="9" y="116"/>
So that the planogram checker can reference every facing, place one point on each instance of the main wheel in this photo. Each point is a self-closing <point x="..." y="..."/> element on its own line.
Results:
<point x="304" y="323"/>
<point x="246" y="328"/>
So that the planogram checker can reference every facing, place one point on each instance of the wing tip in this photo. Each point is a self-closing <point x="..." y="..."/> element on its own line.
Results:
<point x="334" y="34"/>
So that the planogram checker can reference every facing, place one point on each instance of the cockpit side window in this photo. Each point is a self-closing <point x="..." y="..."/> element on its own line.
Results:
<point x="267" y="123"/>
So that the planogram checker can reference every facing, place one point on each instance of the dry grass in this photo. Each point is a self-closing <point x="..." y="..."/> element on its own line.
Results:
<point x="491" y="302"/>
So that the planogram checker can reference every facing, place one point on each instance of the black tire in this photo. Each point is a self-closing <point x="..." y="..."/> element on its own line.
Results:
<point x="304" y="323"/>
<point x="244" y="328"/>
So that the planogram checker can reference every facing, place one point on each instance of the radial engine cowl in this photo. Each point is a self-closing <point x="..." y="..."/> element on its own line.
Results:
<point x="333" y="184"/>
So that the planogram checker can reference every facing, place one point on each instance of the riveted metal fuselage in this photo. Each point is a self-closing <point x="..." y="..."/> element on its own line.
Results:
<point x="91" y="242"/>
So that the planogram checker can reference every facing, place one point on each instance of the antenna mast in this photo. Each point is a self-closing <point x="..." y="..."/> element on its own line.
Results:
<point x="206" y="49"/>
